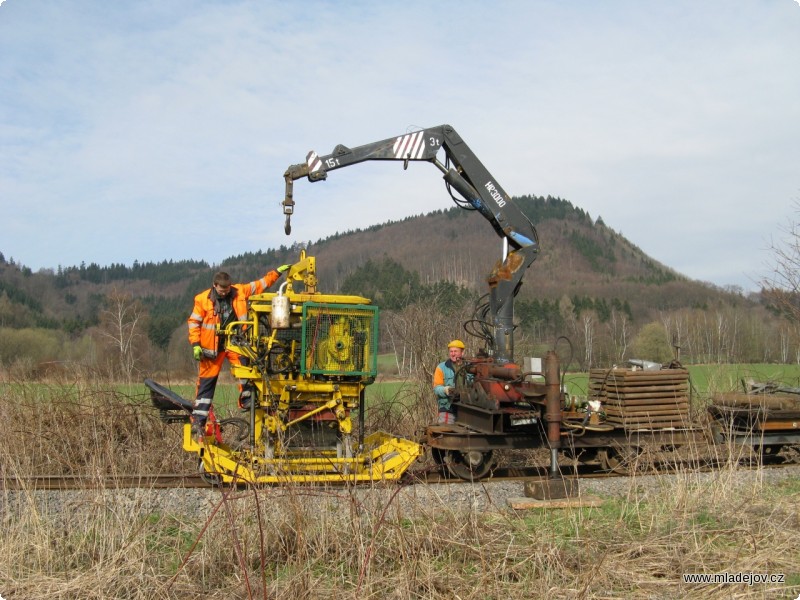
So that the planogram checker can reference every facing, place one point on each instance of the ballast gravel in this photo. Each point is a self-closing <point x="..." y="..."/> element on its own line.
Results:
<point x="407" y="501"/>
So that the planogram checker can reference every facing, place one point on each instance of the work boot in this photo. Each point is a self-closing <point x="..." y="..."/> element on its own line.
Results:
<point x="202" y="408"/>
<point x="198" y="431"/>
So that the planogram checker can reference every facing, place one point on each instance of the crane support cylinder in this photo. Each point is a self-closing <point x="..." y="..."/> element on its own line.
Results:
<point x="464" y="188"/>
<point x="553" y="399"/>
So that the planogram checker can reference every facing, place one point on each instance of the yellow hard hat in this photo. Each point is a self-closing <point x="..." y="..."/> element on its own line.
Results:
<point x="456" y="344"/>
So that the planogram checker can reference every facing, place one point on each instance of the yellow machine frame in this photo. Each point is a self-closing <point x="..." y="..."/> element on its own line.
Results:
<point x="308" y="359"/>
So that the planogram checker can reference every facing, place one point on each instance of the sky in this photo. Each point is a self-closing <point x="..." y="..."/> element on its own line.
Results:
<point x="160" y="130"/>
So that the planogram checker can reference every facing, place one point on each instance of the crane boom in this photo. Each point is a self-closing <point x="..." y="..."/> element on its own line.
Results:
<point x="465" y="173"/>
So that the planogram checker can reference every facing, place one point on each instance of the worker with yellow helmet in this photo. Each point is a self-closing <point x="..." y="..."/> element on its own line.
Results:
<point x="444" y="382"/>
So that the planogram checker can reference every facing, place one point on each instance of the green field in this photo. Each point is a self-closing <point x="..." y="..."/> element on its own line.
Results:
<point x="705" y="380"/>
<point x="709" y="379"/>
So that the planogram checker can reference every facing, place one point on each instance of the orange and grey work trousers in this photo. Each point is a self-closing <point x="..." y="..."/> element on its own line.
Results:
<point x="207" y="383"/>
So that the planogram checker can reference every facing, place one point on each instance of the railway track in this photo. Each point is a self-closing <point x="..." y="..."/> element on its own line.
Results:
<point x="80" y="482"/>
<point x="582" y="471"/>
<point x="419" y="477"/>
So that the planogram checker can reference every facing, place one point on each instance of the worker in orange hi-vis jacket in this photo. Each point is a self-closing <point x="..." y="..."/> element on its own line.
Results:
<point x="214" y="308"/>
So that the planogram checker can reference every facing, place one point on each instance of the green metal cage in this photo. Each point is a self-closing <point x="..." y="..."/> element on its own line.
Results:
<point x="340" y="339"/>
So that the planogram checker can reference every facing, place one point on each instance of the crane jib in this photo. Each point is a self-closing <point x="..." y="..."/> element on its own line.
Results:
<point x="496" y="196"/>
<point x="466" y="175"/>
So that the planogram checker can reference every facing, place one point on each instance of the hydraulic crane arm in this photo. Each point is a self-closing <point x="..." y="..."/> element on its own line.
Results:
<point x="469" y="177"/>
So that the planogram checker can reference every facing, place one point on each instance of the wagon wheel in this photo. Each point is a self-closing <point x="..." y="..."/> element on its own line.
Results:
<point x="621" y="460"/>
<point x="584" y="456"/>
<point x="761" y="454"/>
<point x="211" y="479"/>
<point x="235" y="432"/>
<point x="469" y="465"/>
<point x="769" y="453"/>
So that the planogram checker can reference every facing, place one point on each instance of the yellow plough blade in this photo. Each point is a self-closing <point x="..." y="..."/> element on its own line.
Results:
<point x="385" y="458"/>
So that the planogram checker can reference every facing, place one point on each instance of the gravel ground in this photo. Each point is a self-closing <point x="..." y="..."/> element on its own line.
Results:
<point x="482" y="497"/>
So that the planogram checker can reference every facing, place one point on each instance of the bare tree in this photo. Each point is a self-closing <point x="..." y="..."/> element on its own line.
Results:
<point x="620" y="332"/>
<point x="121" y="326"/>
<point x="588" y="337"/>
<point x="418" y="335"/>
<point x="782" y="286"/>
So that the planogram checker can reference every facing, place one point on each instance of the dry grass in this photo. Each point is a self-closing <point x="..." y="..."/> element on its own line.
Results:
<point x="85" y="430"/>
<point x="359" y="543"/>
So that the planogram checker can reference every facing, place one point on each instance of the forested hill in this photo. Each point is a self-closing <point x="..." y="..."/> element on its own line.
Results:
<point x="582" y="261"/>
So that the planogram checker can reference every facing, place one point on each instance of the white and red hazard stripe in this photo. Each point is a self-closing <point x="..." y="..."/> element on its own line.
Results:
<point x="410" y="146"/>
<point x="313" y="161"/>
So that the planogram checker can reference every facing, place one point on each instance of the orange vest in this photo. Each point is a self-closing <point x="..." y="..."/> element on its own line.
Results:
<point x="204" y="320"/>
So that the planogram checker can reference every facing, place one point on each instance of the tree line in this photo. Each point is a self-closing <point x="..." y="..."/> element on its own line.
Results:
<point x="620" y="304"/>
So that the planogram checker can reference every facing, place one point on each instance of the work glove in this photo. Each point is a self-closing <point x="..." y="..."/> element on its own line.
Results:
<point x="448" y="390"/>
<point x="197" y="352"/>
<point x="283" y="268"/>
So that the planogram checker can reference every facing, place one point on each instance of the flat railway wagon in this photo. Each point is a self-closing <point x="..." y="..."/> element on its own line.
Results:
<point x="633" y="416"/>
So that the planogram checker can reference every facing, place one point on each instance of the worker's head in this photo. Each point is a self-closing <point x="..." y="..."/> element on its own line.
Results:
<point x="222" y="284"/>
<point x="455" y="350"/>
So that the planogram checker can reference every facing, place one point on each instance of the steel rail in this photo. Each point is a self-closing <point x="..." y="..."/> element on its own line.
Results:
<point x="420" y="477"/>
<point x="79" y="482"/>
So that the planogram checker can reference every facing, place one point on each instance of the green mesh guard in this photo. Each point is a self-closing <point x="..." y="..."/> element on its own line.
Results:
<point x="340" y="339"/>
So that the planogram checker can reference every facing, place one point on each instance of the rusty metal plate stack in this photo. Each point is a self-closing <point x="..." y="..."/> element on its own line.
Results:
<point x="762" y="412"/>
<point x="642" y="399"/>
